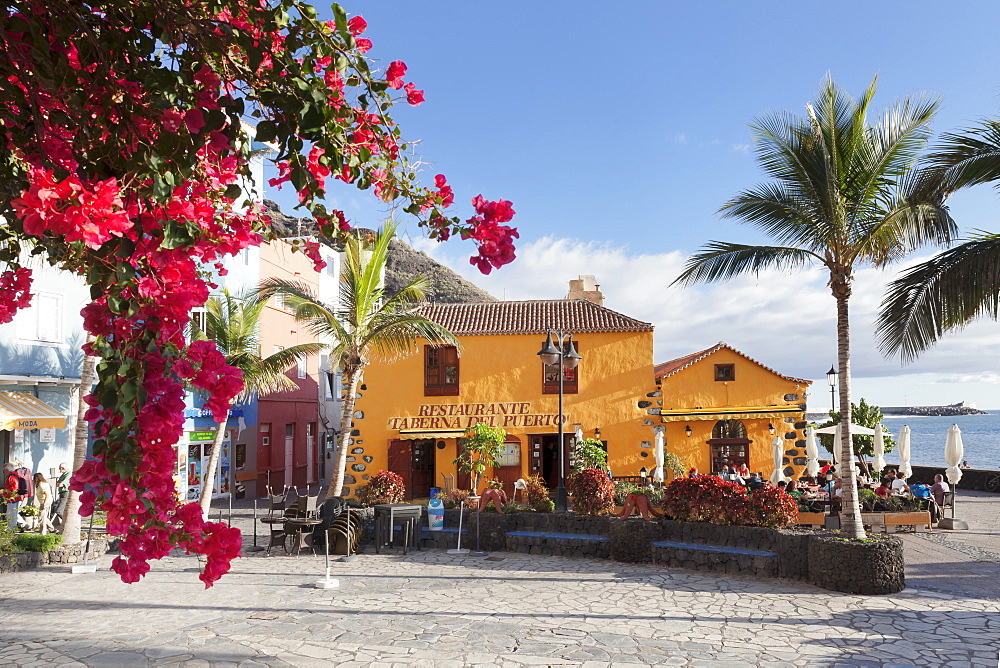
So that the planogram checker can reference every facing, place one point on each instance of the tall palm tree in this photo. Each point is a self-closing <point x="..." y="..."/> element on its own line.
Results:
<point x="844" y="193"/>
<point x="233" y="324"/>
<point x="963" y="283"/>
<point x="367" y="322"/>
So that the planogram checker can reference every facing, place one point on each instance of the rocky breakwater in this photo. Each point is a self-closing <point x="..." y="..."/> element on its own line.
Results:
<point x="933" y="411"/>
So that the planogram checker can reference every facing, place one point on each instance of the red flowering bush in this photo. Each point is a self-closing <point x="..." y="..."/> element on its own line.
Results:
<point x="126" y="147"/>
<point x="771" y="507"/>
<point x="383" y="487"/>
<point x="705" y="499"/>
<point x="709" y="498"/>
<point x="537" y="494"/>
<point x="593" y="492"/>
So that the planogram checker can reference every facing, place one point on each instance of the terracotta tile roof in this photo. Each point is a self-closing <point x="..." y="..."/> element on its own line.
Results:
<point x="530" y="317"/>
<point x="666" y="369"/>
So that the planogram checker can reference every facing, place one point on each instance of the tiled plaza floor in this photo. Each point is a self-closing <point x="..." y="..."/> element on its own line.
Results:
<point x="433" y="609"/>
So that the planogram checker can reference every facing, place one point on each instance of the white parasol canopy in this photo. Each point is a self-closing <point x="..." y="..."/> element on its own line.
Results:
<point x="879" y="462"/>
<point x="856" y="430"/>
<point x="779" y="452"/>
<point x="904" y="451"/>
<point x="954" y="449"/>
<point x="658" y="452"/>
<point x="812" y="452"/>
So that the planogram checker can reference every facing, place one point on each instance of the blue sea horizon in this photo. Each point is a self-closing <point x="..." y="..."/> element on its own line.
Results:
<point x="980" y="438"/>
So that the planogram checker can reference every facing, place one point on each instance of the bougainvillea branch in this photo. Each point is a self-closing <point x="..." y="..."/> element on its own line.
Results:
<point x="125" y="128"/>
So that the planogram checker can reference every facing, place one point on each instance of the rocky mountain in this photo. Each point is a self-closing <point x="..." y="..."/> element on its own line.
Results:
<point x="403" y="264"/>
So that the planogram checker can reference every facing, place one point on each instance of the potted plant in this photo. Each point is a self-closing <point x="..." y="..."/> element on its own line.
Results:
<point x="384" y="487"/>
<point x="30" y="515"/>
<point x="481" y="449"/>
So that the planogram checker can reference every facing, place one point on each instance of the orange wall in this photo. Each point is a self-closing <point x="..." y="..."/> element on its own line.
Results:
<point x="754" y="385"/>
<point x="615" y="373"/>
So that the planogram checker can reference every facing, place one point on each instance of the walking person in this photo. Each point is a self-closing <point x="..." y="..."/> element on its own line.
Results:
<point x="43" y="497"/>
<point x="62" y="494"/>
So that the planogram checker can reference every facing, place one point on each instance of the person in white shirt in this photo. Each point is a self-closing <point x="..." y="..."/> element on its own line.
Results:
<point x="899" y="485"/>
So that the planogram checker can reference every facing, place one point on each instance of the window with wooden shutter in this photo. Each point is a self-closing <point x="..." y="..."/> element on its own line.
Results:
<point x="550" y="376"/>
<point x="440" y="371"/>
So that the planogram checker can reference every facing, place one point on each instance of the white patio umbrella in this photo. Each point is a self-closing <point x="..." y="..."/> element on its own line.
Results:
<point x="577" y="437"/>
<point x="904" y="451"/>
<point x="879" y="462"/>
<point x="953" y="453"/>
<point x="833" y="452"/>
<point x="954" y="450"/>
<point x="812" y="452"/>
<point x="778" y="453"/>
<point x="658" y="452"/>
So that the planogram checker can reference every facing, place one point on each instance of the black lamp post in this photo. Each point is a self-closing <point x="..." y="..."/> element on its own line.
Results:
<point x="565" y="355"/>
<point x="831" y="379"/>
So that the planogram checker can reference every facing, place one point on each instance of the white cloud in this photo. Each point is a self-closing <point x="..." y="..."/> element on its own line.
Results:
<point x="741" y="148"/>
<point x="679" y="138"/>
<point x="786" y="321"/>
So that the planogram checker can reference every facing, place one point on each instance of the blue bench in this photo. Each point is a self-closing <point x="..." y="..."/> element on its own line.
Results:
<point x="718" y="558"/>
<point x="559" y="536"/>
<point x="722" y="549"/>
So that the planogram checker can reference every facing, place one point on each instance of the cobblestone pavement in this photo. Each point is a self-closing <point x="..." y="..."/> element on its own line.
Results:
<point x="429" y="608"/>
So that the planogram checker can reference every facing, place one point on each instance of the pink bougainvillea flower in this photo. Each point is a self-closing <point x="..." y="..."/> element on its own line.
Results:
<point x="357" y="25"/>
<point x="413" y="96"/>
<point x="394" y="75"/>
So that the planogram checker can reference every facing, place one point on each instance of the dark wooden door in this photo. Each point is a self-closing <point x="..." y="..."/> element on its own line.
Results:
<point x="399" y="462"/>
<point x="421" y="469"/>
<point x="510" y="466"/>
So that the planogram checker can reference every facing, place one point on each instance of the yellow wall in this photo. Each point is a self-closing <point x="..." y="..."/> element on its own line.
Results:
<point x="615" y="373"/>
<point x="754" y="385"/>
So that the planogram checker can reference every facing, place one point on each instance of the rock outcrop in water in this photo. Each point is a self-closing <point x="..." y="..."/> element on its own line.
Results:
<point x="960" y="408"/>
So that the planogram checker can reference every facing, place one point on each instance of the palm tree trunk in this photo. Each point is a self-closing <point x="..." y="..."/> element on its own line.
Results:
<point x="335" y="484"/>
<point x="850" y="514"/>
<point x="71" y="520"/>
<point x="208" y="475"/>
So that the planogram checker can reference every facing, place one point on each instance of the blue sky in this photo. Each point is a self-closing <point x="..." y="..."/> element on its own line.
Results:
<point x="618" y="129"/>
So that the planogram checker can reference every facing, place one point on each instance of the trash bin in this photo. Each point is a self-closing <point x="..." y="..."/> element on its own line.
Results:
<point x="435" y="514"/>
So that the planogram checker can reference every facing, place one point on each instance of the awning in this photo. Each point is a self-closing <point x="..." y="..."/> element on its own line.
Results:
<point x="20" y="410"/>
<point x="419" y="434"/>
<point x="731" y="413"/>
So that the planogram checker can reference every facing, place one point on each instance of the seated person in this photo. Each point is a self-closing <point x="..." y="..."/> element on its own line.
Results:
<point x="885" y="489"/>
<point x="792" y="490"/>
<point x="743" y="470"/>
<point x="899" y="485"/>
<point x="733" y="476"/>
<point x="693" y="472"/>
<point x="782" y="485"/>
<point x="939" y="489"/>
<point x="755" y="482"/>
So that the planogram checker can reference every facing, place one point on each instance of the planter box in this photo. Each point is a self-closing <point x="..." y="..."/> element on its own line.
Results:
<point x="920" y="520"/>
<point x="812" y="519"/>
<point x="856" y="567"/>
<point x="874" y="520"/>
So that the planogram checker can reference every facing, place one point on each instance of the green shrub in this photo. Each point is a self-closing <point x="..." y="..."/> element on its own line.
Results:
<point x="544" y="506"/>
<point x="33" y="542"/>
<point x="536" y="491"/>
<point x="622" y="489"/>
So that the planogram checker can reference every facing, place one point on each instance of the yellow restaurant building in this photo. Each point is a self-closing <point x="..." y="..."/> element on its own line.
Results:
<point x="721" y="408"/>
<point x="411" y="411"/>
<point x="716" y="407"/>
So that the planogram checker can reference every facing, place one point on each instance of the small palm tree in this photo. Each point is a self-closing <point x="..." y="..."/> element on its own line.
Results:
<point x="232" y="323"/>
<point x="367" y="322"/>
<point x="961" y="284"/>
<point x="844" y="193"/>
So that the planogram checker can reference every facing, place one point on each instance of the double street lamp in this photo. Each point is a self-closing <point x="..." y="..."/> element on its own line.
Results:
<point x="561" y="352"/>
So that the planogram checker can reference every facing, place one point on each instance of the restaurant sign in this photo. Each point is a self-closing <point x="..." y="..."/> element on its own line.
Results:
<point x="508" y="414"/>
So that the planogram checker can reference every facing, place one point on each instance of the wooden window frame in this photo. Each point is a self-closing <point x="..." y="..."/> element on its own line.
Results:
<point x="725" y="372"/>
<point x="437" y="361"/>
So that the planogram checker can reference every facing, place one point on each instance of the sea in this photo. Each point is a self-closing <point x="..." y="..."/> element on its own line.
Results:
<point x="980" y="438"/>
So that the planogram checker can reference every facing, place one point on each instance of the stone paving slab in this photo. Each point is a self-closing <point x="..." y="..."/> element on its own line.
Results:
<point x="434" y="609"/>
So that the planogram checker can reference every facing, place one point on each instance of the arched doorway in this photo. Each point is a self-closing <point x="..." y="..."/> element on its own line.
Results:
<point x="729" y="445"/>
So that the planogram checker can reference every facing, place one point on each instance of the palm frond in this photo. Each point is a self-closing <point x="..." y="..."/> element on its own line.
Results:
<point x="720" y="260"/>
<point x="940" y="295"/>
<point x="970" y="157"/>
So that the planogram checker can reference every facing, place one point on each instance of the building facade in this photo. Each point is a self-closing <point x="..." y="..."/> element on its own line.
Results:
<point x="412" y="410"/>
<point x="720" y="408"/>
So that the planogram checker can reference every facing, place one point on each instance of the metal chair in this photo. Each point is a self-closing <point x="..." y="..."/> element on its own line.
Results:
<point x="275" y="518"/>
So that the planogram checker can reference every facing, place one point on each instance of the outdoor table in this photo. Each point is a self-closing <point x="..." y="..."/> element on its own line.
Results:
<point x="302" y="528"/>
<point x="386" y="516"/>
